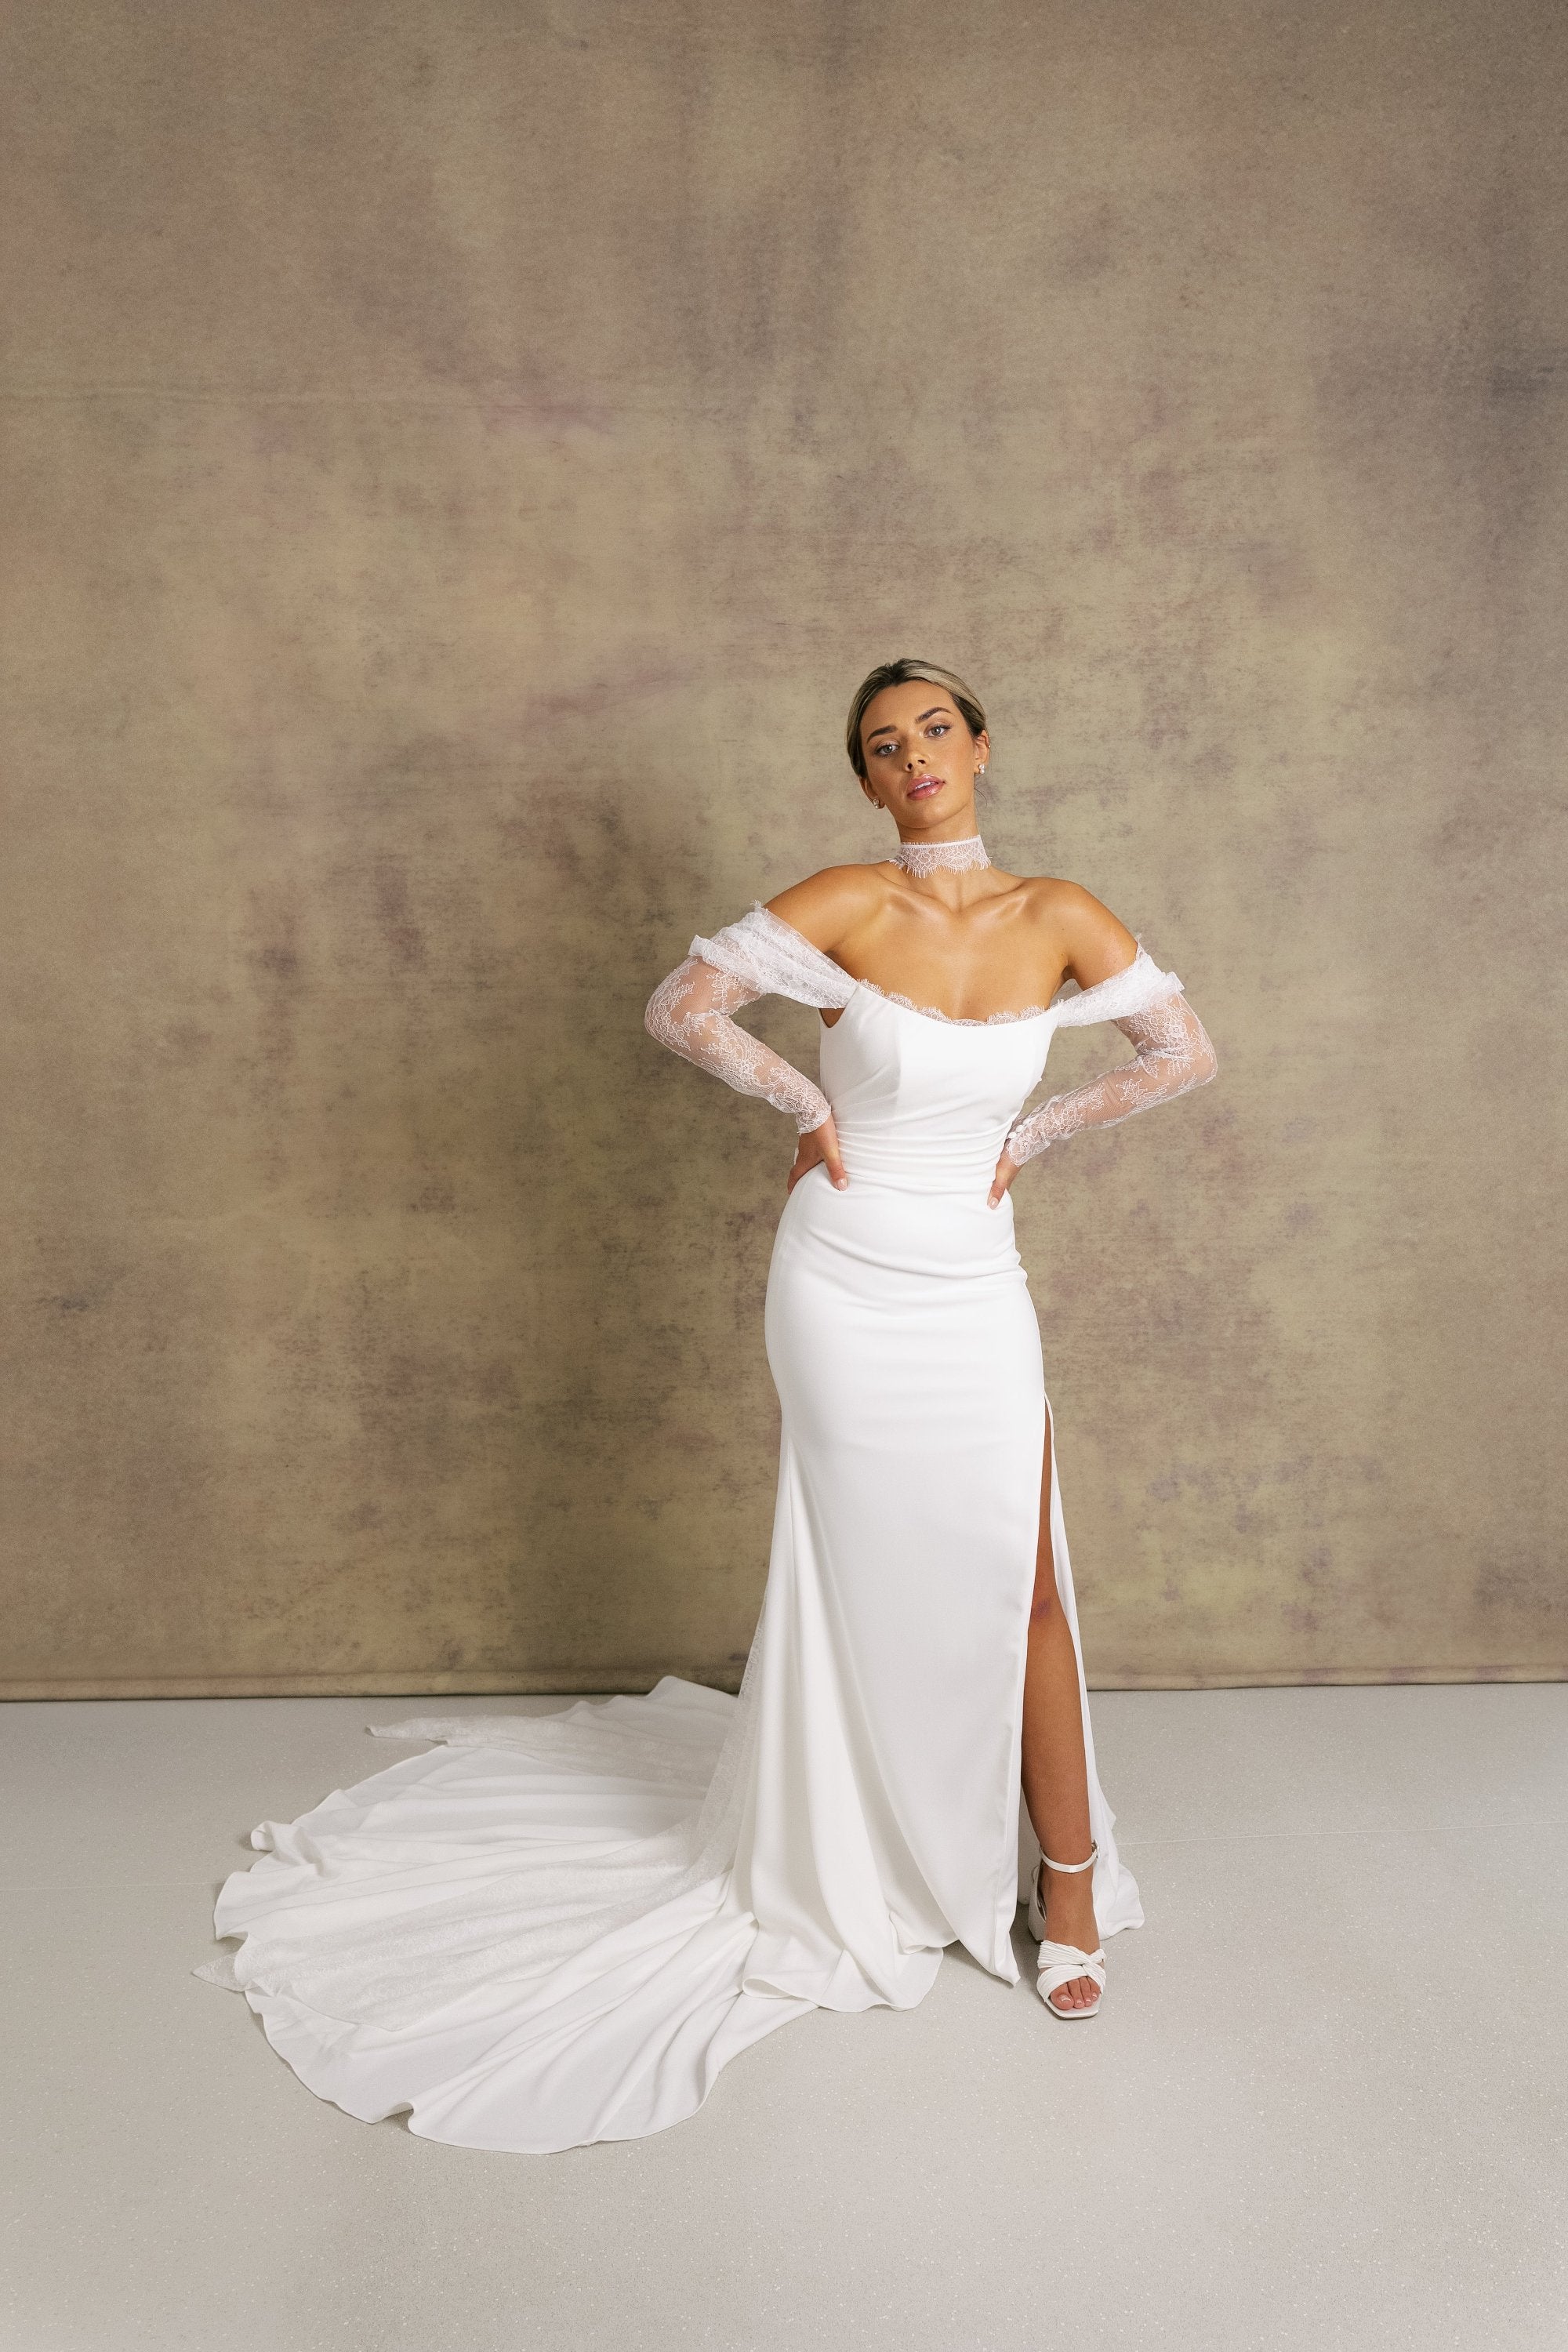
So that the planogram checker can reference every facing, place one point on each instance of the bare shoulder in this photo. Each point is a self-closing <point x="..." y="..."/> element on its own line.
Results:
<point x="827" y="905"/>
<point x="1092" y="942"/>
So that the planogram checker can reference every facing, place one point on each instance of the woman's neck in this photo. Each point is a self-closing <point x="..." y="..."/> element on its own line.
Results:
<point x="921" y="857"/>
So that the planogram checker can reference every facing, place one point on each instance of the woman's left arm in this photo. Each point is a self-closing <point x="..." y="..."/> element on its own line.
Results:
<point x="1171" y="1050"/>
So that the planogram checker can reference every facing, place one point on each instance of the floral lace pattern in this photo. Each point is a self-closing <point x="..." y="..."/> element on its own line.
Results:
<point x="775" y="958"/>
<point x="1172" y="1054"/>
<point x="920" y="858"/>
<point x="762" y="955"/>
<point x="953" y="1020"/>
<point x="689" y="1012"/>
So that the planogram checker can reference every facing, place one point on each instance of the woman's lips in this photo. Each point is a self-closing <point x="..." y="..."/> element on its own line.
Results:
<point x="924" y="791"/>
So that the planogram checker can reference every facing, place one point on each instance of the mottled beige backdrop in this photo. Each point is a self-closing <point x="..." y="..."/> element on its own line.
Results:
<point x="461" y="454"/>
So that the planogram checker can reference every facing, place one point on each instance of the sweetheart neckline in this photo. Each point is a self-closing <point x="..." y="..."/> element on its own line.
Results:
<point x="949" y="1020"/>
<point x="1060" y="1003"/>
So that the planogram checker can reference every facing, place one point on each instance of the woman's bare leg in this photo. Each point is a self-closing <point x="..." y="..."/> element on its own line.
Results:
<point x="1055" y="1774"/>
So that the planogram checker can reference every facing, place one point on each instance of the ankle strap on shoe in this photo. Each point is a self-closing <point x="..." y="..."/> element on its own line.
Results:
<point x="1069" y="1868"/>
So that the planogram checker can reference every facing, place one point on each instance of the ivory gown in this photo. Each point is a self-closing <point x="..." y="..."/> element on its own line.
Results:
<point x="547" y="1931"/>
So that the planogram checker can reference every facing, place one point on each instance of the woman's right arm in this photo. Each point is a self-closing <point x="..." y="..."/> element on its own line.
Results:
<point x="690" y="1012"/>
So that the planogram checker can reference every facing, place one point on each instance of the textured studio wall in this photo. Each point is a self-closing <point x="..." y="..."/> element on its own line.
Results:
<point x="461" y="454"/>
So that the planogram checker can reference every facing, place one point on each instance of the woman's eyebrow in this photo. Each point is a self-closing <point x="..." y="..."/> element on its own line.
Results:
<point x="921" y="721"/>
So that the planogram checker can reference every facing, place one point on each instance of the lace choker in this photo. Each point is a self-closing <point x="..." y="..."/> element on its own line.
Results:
<point x="921" y="857"/>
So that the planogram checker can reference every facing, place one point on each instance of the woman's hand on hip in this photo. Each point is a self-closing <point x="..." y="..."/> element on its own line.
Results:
<point x="1001" y="1182"/>
<point x="818" y="1148"/>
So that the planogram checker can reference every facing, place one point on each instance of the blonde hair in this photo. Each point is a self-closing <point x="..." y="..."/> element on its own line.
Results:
<point x="904" y="673"/>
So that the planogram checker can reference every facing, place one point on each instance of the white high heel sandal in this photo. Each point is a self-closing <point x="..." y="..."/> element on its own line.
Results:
<point x="1060" y="1963"/>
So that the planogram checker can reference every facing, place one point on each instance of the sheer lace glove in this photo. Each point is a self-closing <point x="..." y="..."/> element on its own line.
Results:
<point x="689" y="1012"/>
<point x="760" y="955"/>
<point x="1172" y="1054"/>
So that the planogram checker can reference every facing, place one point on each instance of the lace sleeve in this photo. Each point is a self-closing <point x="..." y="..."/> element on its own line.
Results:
<point x="760" y="955"/>
<point x="1172" y="1054"/>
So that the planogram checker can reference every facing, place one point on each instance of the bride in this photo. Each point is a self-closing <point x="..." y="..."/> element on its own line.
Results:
<point x="545" y="1931"/>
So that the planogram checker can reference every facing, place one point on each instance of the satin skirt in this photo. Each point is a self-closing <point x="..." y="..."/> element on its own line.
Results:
<point x="548" y="1931"/>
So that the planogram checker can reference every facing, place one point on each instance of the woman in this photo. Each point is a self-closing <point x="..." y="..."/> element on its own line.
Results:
<point x="550" y="1931"/>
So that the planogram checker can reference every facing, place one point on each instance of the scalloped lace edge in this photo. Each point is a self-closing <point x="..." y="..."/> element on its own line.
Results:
<point x="1065" y="997"/>
<point x="953" y="1020"/>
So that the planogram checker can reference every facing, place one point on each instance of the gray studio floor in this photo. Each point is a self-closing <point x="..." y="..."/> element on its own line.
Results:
<point x="1324" y="2106"/>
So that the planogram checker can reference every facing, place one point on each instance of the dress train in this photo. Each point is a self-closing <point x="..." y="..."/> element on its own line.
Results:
<point x="546" y="1931"/>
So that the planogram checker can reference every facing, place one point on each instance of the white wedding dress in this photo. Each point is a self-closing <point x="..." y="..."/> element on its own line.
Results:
<point x="546" y="1931"/>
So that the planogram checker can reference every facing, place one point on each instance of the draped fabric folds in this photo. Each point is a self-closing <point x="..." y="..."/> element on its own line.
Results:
<point x="543" y="1932"/>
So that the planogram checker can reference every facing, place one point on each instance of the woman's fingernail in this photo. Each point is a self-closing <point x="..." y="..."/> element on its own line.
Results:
<point x="842" y="1182"/>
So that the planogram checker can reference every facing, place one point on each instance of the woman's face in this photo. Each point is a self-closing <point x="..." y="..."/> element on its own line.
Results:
<point x="920" y="757"/>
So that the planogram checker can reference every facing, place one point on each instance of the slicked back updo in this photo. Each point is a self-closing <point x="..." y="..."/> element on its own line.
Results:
<point x="904" y="673"/>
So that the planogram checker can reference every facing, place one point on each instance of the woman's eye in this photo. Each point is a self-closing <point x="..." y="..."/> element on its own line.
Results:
<point x="940" y="728"/>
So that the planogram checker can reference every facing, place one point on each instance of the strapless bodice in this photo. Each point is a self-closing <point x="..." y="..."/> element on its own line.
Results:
<point x="924" y="1103"/>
